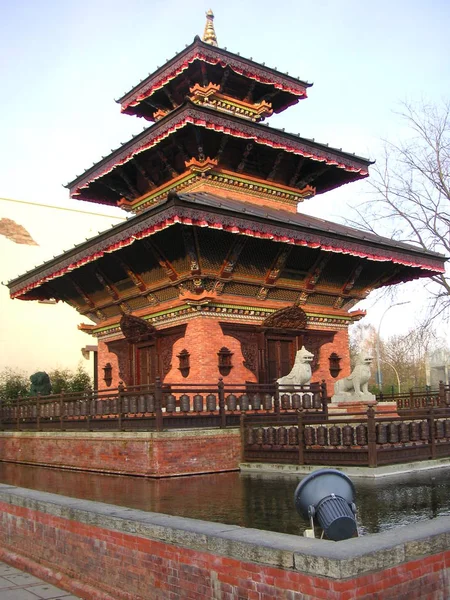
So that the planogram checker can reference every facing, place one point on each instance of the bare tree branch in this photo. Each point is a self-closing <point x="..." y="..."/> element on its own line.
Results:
<point x="410" y="196"/>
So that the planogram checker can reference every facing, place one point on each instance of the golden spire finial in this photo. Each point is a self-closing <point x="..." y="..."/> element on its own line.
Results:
<point x="209" y="35"/>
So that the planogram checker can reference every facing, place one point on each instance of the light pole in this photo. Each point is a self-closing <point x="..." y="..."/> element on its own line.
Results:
<point x="378" y="340"/>
<point x="396" y="373"/>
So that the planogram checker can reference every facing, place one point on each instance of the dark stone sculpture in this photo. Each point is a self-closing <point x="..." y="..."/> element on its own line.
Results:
<point x="40" y="384"/>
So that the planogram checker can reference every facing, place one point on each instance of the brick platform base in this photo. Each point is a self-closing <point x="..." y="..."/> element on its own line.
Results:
<point x="105" y="552"/>
<point x="150" y="454"/>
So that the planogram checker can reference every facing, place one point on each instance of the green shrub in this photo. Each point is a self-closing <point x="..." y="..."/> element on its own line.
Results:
<point x="13" y="383"/>
<point x="69" y="381"/>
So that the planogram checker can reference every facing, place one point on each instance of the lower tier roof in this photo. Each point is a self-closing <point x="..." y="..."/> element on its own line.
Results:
<point x="197" y="244"/>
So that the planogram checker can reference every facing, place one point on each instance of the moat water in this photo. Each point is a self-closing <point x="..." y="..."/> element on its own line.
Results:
<point x="258" y="500"/>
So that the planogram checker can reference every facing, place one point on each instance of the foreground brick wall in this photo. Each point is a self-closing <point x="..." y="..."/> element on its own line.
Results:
<point x="153" y="454"/>
<point x="104" y="552"/>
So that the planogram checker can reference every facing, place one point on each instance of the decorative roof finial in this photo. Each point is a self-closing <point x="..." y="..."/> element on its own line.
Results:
<point x="209" y="35"/>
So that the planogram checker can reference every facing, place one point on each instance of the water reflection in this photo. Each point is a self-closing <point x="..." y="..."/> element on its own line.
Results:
<point x="250" y="500"/>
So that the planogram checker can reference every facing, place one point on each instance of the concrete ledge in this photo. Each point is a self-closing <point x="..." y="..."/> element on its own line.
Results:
<point x="365" y="472"/>
<point x="322" y="558"/>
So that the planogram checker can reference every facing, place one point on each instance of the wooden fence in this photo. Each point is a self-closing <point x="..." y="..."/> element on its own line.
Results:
<point x="357" y="440"/>
<point x="418" y="399"/>
<point x="161" y="406"/>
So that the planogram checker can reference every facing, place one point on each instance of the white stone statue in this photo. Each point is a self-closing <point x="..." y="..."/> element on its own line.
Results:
<point x="354" y="388"/>
<point x="301" y="371"/>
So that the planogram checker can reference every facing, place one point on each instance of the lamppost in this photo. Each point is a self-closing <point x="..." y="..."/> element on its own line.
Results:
<point x="396" y="373"/>
<point x="378" y="341"/>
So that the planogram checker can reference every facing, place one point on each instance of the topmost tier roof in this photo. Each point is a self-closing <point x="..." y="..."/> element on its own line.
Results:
<point x="202" y="63"/>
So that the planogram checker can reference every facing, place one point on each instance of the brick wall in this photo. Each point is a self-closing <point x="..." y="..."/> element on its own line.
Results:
<point x="105" y="356"/>
<point x="154" y="454"/>
<point x="104" y="552"/>
<point x="203" y="340"/>
<point x="340" y="345"/>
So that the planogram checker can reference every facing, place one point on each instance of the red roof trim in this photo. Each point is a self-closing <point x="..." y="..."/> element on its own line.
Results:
<point x="345" y="248"/>
<point x="299" y="90"/>
<point x="229" y="130"/>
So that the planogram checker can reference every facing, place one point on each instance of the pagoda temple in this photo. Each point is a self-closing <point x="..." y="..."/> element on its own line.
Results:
<point x="217" y="274"/>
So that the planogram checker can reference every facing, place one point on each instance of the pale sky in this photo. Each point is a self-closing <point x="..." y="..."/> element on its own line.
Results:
<point x="65" y="61"/>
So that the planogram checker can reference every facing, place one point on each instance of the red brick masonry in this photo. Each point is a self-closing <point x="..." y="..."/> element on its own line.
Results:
<point x="151" y="454"/>
<point x="105" y="552"/>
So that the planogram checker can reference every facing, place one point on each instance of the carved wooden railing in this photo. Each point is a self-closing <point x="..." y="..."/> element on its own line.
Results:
<point x="161" y="406"/>
<point x="369" y="440"/>
<point x="418" y="399"/>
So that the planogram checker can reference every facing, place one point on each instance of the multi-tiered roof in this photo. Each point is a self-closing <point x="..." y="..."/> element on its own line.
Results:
<point x="216" y="193"/>
<point x="208" y="106"/>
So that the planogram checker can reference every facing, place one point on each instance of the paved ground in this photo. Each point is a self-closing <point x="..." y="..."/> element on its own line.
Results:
<point x="17" y="585"/>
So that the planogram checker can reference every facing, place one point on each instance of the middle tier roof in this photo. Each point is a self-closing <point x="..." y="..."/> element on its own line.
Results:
<point x="193" y="139"/>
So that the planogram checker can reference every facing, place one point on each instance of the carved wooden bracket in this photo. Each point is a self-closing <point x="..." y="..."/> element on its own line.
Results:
<point x="292" y="317"/>
<point x="136" y="330"/>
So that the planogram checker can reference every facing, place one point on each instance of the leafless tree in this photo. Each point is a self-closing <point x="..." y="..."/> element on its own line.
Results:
<point x="402" y="357"/>
<point x="410" y="199"/>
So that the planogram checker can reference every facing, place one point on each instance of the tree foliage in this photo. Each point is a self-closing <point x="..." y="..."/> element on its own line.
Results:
<point x="13" y="383"/>
<point x="410" y="199"/>
<point x="402" y="357"/>
<point x="69" y="381"/>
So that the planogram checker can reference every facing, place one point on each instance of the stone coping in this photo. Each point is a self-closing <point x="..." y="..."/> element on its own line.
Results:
<point x="336" y="560"/>
<point x="363" y="472"/>
<point x="125" y="435"/>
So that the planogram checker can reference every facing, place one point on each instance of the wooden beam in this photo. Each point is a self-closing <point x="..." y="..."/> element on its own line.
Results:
<point x="162" y="260"/>
<point x="199" y="139"/>
<point x="317" y="271"/>
<point x="349" y="284"/>
<point x="106" y="284"/>
<point x="143" y="171"/>
<point x="278" y="265"/>
<point x="245" y="156"/>
<point x="83" y="294"/>
<point x="223" y="143"/>
<point x="204" y="74"/>
<point x="296" y="175"/>
<point x="170" y="97"/>
<point x="135" y="278"/>
<point x="232" y="258"/>
<point x="311" y="177"/>
<point x="302" y="298"/>
<point x="276" y="164"/>
<point x="154" y="105"/>
<point x="167" y="164"/>
<point x="180" y="147"/>
<point x="191" y="250"/>
<point x="251" y="89"/>
<point x="133" y="189"/>
<point x="121" y="192"/>
<point x="223" y="81"/>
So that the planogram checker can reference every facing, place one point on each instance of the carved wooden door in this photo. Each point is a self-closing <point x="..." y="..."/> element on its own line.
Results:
<point x="280" y="357"/>
<point x="146" y="364"/>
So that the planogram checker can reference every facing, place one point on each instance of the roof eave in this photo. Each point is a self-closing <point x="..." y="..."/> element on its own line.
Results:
<point x="80" y="255"/>
<point x="160" y="125"/>
<point x="226" y="54"/>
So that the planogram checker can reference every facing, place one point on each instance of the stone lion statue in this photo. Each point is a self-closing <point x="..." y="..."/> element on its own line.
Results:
<point x="355" y="386"/>
<point x="301" y="371"/>
<point x="40" y="384"/>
